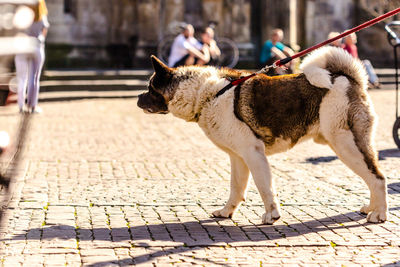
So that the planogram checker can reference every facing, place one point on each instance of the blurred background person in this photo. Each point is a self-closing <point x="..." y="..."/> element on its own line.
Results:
<point x="274" y="50"/>
<point x="338" y="42"/>
<point x="208" y="42"/>
<point x="349" y="44"/>
<point x="29" y="67"/>
<point x="187" y="50"/>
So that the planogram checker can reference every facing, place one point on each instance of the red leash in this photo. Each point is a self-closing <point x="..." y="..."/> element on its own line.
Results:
<point x="355" y="29"/>
<point x="308" y="50"/>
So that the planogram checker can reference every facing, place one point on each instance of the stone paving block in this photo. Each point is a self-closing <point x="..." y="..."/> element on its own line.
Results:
<point x="108" y="185"/>
<point x="99" y="261"/>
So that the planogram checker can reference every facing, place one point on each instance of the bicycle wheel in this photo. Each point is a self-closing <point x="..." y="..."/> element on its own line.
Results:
<point x="229" y="53"/>
<point x="164" y="48"/>
<point x="396" y="132"/>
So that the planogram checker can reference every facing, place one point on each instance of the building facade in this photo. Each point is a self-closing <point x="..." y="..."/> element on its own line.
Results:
<point x="123" y="33"/>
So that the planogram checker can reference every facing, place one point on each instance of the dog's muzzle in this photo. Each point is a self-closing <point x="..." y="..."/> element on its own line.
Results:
<point x="152" y="103"/>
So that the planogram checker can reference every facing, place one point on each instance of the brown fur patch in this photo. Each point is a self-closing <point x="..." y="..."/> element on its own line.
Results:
<point x="281" y="106"/>
<point x="361" y="125"/>
<point x="236" y="102"/>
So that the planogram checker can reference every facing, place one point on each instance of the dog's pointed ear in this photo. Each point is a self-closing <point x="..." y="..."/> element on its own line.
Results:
<point x="159" y="66"/>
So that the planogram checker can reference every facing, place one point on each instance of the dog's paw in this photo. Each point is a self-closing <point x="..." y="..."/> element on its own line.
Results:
<point x="366" y="209"/>
<point x="271" y="216"/>
<point x="223" y="213"/>
<point x="374" y="216"/>
<point x="377" y="216"/>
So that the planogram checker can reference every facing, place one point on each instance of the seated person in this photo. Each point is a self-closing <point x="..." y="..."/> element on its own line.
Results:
<point x="274" y="50"/>
<point x="349" y="44"/>
<point x="338" y="42"/>
<point x="186" y="50"/>
<point x="207" y="39"/>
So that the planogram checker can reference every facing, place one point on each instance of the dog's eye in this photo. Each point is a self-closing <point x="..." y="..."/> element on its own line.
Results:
<point x="153" y="91"/>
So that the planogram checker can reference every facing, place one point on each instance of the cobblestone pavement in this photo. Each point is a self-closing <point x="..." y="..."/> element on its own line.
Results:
<point x="104" y="184"/>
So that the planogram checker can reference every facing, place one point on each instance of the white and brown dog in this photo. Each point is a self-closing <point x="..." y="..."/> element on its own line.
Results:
<point x="328" y="102"/>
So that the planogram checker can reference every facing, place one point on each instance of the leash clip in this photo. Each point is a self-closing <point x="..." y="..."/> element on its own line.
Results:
<point x="274" y="65"/>
<point x="265" y="69"/>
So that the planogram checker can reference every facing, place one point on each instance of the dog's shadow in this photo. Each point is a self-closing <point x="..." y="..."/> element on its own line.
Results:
<point x="319" y="160"/>
<point x="193" y="234"/>
<point x="383" y="155"/>
<point x="393" y="264"/>
<point x="394" y="188"/>
<point x="389" y="153"/>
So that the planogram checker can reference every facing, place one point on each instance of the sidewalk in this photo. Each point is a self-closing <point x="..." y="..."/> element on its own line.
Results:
<point x="107" y="185"/>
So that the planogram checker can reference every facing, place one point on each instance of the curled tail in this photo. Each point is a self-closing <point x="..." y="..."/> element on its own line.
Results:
<point x="349" y="105"/>
<point x="320" y="65"/>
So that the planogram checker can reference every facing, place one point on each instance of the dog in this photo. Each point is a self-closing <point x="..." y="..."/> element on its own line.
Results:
<point x="327" y="102"/>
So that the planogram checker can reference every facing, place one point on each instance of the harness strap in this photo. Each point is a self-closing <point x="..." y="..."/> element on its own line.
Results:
<point x="235" y="82"/>
<point x="223" y="90"/>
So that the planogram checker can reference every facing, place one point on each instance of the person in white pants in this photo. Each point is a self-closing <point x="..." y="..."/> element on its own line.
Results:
<point x="29" y="67"/>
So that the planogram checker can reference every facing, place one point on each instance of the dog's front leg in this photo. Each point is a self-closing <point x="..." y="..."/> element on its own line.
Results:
<point x="257" y="162"/>
<point x="239" y="182"/>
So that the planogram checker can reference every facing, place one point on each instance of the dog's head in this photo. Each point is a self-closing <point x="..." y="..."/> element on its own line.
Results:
<point x="161" y="89"/>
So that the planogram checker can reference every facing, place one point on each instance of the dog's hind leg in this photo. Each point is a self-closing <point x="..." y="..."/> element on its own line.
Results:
<point x="363" y="163"/>
<point x="347" y="124"/>
<point x="239" y="182"/>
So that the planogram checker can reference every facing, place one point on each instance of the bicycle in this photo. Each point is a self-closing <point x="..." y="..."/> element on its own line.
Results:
<point x="229" y="50"/>
<point x="393" y="29"/>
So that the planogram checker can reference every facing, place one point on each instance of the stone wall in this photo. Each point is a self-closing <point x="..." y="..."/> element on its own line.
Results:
<point x="92" y="22"/>
<point x="86" y="34"/>
<point x="373" y="43"/>
<point x="324" y="16"/>
<point x="124" y="33"/>
<point x="92" y="32"/>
